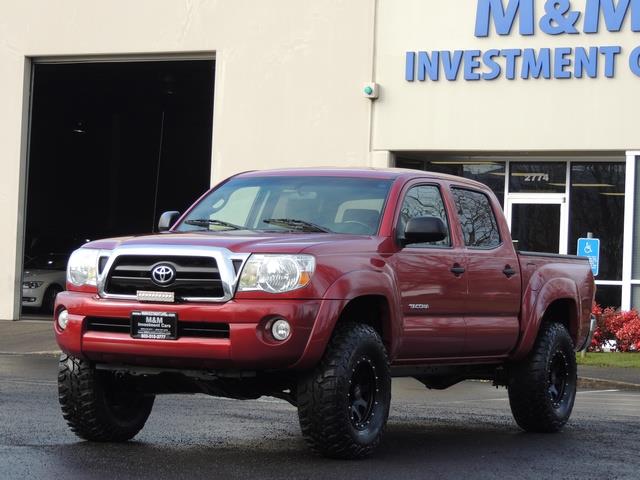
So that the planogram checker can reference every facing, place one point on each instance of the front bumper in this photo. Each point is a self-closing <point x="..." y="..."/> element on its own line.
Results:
<point x="246" y="348"/>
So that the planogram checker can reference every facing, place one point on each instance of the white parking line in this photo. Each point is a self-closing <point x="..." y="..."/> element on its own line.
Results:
<point x="617" y="395"/>
<point x="582" y="392"/>
<point x="30" y="382"/>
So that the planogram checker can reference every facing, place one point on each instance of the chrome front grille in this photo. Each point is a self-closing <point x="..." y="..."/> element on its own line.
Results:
<point x="195" y="276"/>
<point x="202" y="274"/>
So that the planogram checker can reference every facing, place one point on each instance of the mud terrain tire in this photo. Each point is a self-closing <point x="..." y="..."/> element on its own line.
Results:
<point x="92" y="409"/>
<point x="542" y="388"/>
<point x="343" y="404"/>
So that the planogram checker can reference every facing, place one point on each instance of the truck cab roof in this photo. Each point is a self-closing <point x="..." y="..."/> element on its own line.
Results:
<point x="362" y="172"/>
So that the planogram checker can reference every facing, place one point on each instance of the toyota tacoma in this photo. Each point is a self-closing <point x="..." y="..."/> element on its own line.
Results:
<point x="317" y="286"/>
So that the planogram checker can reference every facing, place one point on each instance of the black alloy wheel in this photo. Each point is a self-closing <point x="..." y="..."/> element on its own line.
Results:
<point x="558" y="378"/>
<point x="363" y="393"/>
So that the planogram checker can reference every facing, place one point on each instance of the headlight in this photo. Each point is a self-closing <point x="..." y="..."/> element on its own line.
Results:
<point x="31" y="285"/>
<point x="276" y="273"/>
<point x="83" y="267"/>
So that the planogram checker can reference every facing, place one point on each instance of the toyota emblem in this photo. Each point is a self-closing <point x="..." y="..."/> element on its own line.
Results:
<point x="163" y="274"/>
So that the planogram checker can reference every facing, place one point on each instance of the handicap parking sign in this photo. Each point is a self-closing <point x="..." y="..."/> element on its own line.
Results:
<point x="590" y="248"/>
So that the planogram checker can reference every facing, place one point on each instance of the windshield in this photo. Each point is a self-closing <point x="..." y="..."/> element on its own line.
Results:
<point x="285" y="204"/>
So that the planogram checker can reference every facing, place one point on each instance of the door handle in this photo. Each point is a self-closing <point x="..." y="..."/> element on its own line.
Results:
<point x="508" y="271"/>
<point x="457" y="269"/>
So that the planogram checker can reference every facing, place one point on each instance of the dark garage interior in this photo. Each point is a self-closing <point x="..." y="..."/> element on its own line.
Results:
<point x="112" y="145"/>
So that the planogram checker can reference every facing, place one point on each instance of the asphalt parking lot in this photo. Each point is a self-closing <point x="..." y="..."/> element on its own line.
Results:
<point x="466" y="431"/>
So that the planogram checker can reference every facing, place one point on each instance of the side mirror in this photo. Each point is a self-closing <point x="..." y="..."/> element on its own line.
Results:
<point x="167" y="219"/>
<point x="424" y="229"/>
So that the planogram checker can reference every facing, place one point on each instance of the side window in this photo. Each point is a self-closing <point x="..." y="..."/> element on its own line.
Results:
<point x="424" y="201"/>
<point x="477" y="220"/>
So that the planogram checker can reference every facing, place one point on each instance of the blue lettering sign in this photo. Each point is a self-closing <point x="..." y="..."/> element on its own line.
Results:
<point x="471" y="63"/>
<point x="511" y="54"/>
<point x="428" y="66"/>
<point x="410" y="67"/>
<point x="494" y="67"/>
<point x="533" y="66"/>
<point x="451" y="64"/>
<point x="559" y="63"/>
<point x="503" y="19"/>
<point x="586" y="62"/>
<point x="634" y="61"/>
<point x="559" y="18"/>
<point x="614" y="15"/>
<point x="610" y="60"/>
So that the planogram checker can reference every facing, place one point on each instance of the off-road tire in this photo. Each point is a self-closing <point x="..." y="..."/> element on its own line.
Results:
<point x="91" y="408"/>
<point x="328" y="395"/>
<point x="537" y="404"/>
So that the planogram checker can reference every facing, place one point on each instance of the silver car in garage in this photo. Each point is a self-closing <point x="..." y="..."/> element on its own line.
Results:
<point x="44" y="277"/>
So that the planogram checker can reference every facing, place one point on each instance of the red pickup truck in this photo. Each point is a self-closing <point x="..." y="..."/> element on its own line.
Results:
<point x="317" y="286"/>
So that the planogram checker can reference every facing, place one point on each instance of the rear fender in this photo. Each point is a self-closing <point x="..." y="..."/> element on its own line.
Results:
<point x="535" y="304"/>
<point x="346" y="288"/>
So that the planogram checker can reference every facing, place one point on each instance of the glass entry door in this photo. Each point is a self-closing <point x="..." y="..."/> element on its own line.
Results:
<point x="538" y="222"/>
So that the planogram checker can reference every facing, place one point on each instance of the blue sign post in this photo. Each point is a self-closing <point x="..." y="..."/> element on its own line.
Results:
<point x="590" y="248"/>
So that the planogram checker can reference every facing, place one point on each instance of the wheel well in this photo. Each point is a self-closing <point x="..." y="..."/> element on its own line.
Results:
<point x="371" y="310"/>
<point x="564" y="312"/>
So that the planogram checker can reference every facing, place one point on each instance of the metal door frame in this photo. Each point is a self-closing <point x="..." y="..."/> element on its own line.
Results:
<point x="543" y="199"/>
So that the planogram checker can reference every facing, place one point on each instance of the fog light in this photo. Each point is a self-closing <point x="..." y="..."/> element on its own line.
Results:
<point x="281" y="330"/>
<point x="63" y="319"/>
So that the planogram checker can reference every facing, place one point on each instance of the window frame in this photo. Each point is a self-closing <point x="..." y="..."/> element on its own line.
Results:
<point x="491" y="208"/>
<point x="405" y="192"/>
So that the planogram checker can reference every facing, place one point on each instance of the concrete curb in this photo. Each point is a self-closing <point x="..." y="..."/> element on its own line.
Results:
<point x="583" y="382"/>
<point x="53" y="353"/>
<point x="586" y="382"/>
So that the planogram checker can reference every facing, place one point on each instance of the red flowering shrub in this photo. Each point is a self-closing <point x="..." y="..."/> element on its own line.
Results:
<point x="628" y="335"/>
<point x="623" y="327"/>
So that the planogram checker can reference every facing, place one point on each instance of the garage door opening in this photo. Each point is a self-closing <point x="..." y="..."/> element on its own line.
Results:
<point x="112" y="146"/>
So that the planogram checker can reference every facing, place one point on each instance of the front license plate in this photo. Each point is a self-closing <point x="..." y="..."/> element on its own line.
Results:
<point x="154" y="325"/>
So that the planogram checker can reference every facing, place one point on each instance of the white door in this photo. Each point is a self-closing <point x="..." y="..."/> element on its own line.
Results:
<point x="539" y="222"/>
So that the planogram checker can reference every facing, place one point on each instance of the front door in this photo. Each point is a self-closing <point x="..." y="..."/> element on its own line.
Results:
<point x="538" y="222"/>
<point x="432" y="283"/>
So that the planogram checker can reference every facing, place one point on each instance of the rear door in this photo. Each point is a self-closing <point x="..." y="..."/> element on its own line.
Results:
<point x="493" y="273"/>
<point x="432" y="295"/>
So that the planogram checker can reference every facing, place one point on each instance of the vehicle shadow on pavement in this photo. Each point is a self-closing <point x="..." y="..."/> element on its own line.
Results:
<point x="489" y="448"/>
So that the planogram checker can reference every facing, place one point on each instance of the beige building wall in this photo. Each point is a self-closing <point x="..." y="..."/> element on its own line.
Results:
<point x="499" y="115"/>
<point x="288" y="82"/>
<point x="289" y="76"/>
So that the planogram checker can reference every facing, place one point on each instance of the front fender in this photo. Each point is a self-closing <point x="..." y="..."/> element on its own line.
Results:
<point x="346" y="288"/>
<point x="534" y="306"/>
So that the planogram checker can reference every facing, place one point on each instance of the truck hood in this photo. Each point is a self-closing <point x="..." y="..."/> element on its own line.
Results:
<point x="240" y="242"/>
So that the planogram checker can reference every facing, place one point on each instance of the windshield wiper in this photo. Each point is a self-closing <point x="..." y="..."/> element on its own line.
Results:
<point x="205" y="222"/>
<point x="301" y="225"/>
